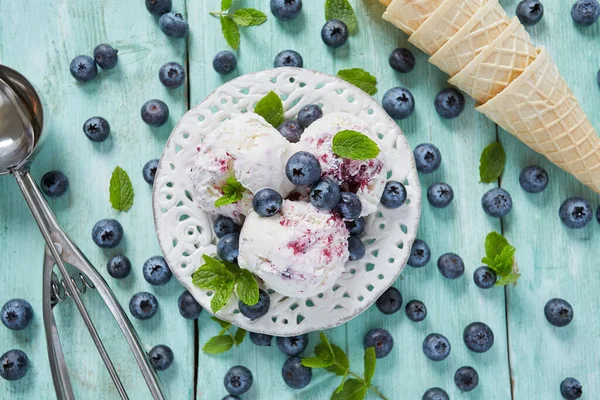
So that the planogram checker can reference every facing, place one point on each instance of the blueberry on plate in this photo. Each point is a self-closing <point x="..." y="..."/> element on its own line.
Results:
<point x="356" y="247"/>
<point x="466" y="379"/>
<point x="158" y="7"/>
<point x="291" y="130"/>
<point x="303" y="169"/>
<point x="155" y="112"/>
<point x="312" y="112"/>
<point x="571" y="389"/>
<point x="435" y="394"/>
<point x="585" y="12"/>
<point x="238" y="380"/>
<point x="334" y="33"/>
<point x="558" y="312"/>
<point x="294" y="374"/>
<point x="349" y="206"/>
<point x="356" y="227"/>
<point x="288" y="58"/>
<point x="228" y="247"/>
<point x="224" y="226"/>
<point x="286" y="10"/>
<point x="440" y="195"/>
<point x="402" y="60"/>
<point x="118" y="266"/>
<point x="106" y="56"/>
<point x="96" y="129"/>
<point x="533" y="179"/>
<point x="399" y="103"/>
<point x="292" y="346"/>
<point x="173" y="25"/>
<point x="478" y="337"/>
<point x="16" y="314"/>
<point x="257" y="310"/>
<point x="143" y="305"/>
<point x="149" y="171"/>
<point x="161" y="357"/>
<point x="497" y="203"/>
<point x="171" y="75"/>
<point x="451" y="266"/>
<point x="54" y="184"/>
<point x="390" y="301"/>
<point x="381" y="340"/>
<point x="107" y="233"/>
<point x="575" y="213"/>
<point x="267" y="202"/>
<point x="394" y="195"/>
<point x="14" y="365"/>
<point x="485" y="277"/>
<point x="325" y="194"/>
<point x="224" y="62"/>
<point x="188" y="306"/>
<point x="156" y="271"/>
<point x="420" y="254"/>
<point x="530" y="12"/>
<point x="416" y="310"/>
<point x="83" y="68"/>
<point x="427" y="157"/>
<point x="449" y="103"/>
<point x="260" y="339"/>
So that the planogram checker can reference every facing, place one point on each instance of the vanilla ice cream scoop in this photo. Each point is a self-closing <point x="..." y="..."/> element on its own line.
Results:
<point x="298" y="253"/>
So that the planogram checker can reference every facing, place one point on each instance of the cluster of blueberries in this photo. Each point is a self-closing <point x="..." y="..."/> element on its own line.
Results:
<point x="583" y="12"/>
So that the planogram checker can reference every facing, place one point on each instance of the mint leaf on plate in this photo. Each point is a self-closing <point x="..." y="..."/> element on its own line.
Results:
<point x="211" y="275"/>
<point x="247" y="288"/>
<point x="491" y="163"/>
<point x="342" y="10"/>
<point x="231" y="32"/>
<point x="270" y="108"/>
<point x="359" y="78"/>
<point x="353" y="389"/>
<point x="226" y="4"/>
<point x="370" y="363"/>
<point x="354" y="145"/>
<point x="221" y="296"/>
<point x="248" y="17"/>
<point x="233" y="191"/>
<point x="218" y="344"/>
<point x="121" y="190"/>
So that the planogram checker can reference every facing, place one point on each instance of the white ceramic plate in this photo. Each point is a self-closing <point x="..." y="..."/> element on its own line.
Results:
<point x="185" y="232"/>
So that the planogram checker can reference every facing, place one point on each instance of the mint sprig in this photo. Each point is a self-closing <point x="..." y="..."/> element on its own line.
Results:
<point x="225" y="340"/>
<point x="359" y="78"/>
<point x="354" y="145"/>
<point x="230" y="22"/>
<point x="491" y="163"/>
<point x="500" y="257"/>
<point x="342" y="10"/>
<point x="121" y="190"/>
<point x="270" y="108"/>
<point x="233" y="191"/>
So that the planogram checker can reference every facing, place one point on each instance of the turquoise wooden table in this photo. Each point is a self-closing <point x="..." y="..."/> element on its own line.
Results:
<point x="529" y="358"/>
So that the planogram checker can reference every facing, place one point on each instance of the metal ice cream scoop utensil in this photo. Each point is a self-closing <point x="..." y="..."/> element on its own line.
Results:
<point x="22" y="123"/>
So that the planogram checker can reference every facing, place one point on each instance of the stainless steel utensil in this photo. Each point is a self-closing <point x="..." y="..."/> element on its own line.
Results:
<point x="22" y="123"/>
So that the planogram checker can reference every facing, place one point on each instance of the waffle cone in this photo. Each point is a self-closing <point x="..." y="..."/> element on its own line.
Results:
<point x="539" y="108"/>
<point x="408" y="15"/>
<point x="385" y="2"/>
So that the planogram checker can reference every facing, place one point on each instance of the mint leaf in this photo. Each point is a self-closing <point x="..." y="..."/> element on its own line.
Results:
<point x="491" y="163"/>
<point x="223" y="324"/>
<point x="354" y="145"/>
<point x="341" y="364"/>
<point x="324" y="353"/>
<point x="354" y="389"/>
<point x="500" y="256"/>
<point x="270" y="108"/>
<point x="218" y="344"/>
<point x="341" y="387"/>
<point x="248" y="17"/>
<point x="494" y="243"/>
<point x="315" y="362"/>
<point x="221" y="296"/>
<point x="342" y="10"/>
<point x="211" y="275"/>
<point x="247" y="288"/>
<point x="226" y="4"/>
<point x="370" y="363"/>
<point x="233" y="191"/>
<point x="508" y="279"/>
<point x="240" y="334"/>
<point x="231" y="32"/>
<point x="121" y="190"/>
<point x="359" y="78"/>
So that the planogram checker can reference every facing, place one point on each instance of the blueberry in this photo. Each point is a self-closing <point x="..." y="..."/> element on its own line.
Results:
<point x="312" y="112"/>
<point x="356" y="247"/>
<point x="558" y="312"/>
<point x="16" y="314"/>
<point x="156" y="271"/>
<point x="497" y="203"/>
<point x="598" y="78"/>
<point x="257" y="310"/>
<point x="325" y="195"/>
<point x="171" y="75"/>
<point x="294" y="374"/>
<point x="96" y="129"/>
<point x="118" y="266"/>
<point x="106" y="56"/>
<point x="451" y="266"/>
<point x="575" y="213"/>
<point x="402" y="60"/>
<point x="435" y="394"/>
<point x="303" y="169"/>
<point x="585" y="12"/>
<point x="533" y="179"/>
<point x="14" y="365"/>
<point x="155" y="112"/>
<point x="381" y="340"/>
<point x="466" y="379"/>
<point x="420" y="254"/>
<point x="188" y="306"/>
<point x="390" y="301"/>
<point x="291" y="130"/>
<point x="288" y="58"/>
<point x="394" y="195"/>
<point x="334" y="33"/>
<point x="224" y="226"/>
<point x="598" y="214"/>
<point x="143" y="305"/>
<point x="161" y="357"/>
<point x="107" y="233"/>
<point x="416" y="310"/>
<point x="292" y="346"/>
<point x="485" y="277"/>
<point x="286" y="10"/>
<point x="356" y="227"/>
<point x="478" y="337"/>
<point x="440" y="195"/>
<point x="238" y="380"/>
<point x="436" y="347"/>
<point x="349" y="206"/>
<point x="428" y="158"/>
<point x="571" y="389"/>
<point x="149" y="171"/>
<point x="224" y="62"/>
<point x="173" y="25"/>
<point x="449" y="103"/>
<point x="530" y="12"/>
<point x="158" y="7"/>
<point x="54" y="184"/>
<point x="83" y="68"/>
<point x="267" y="202"/>
<point x="228" y="247"/>
<point x="260" y="339"/>
<point x="399" y="103"/>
